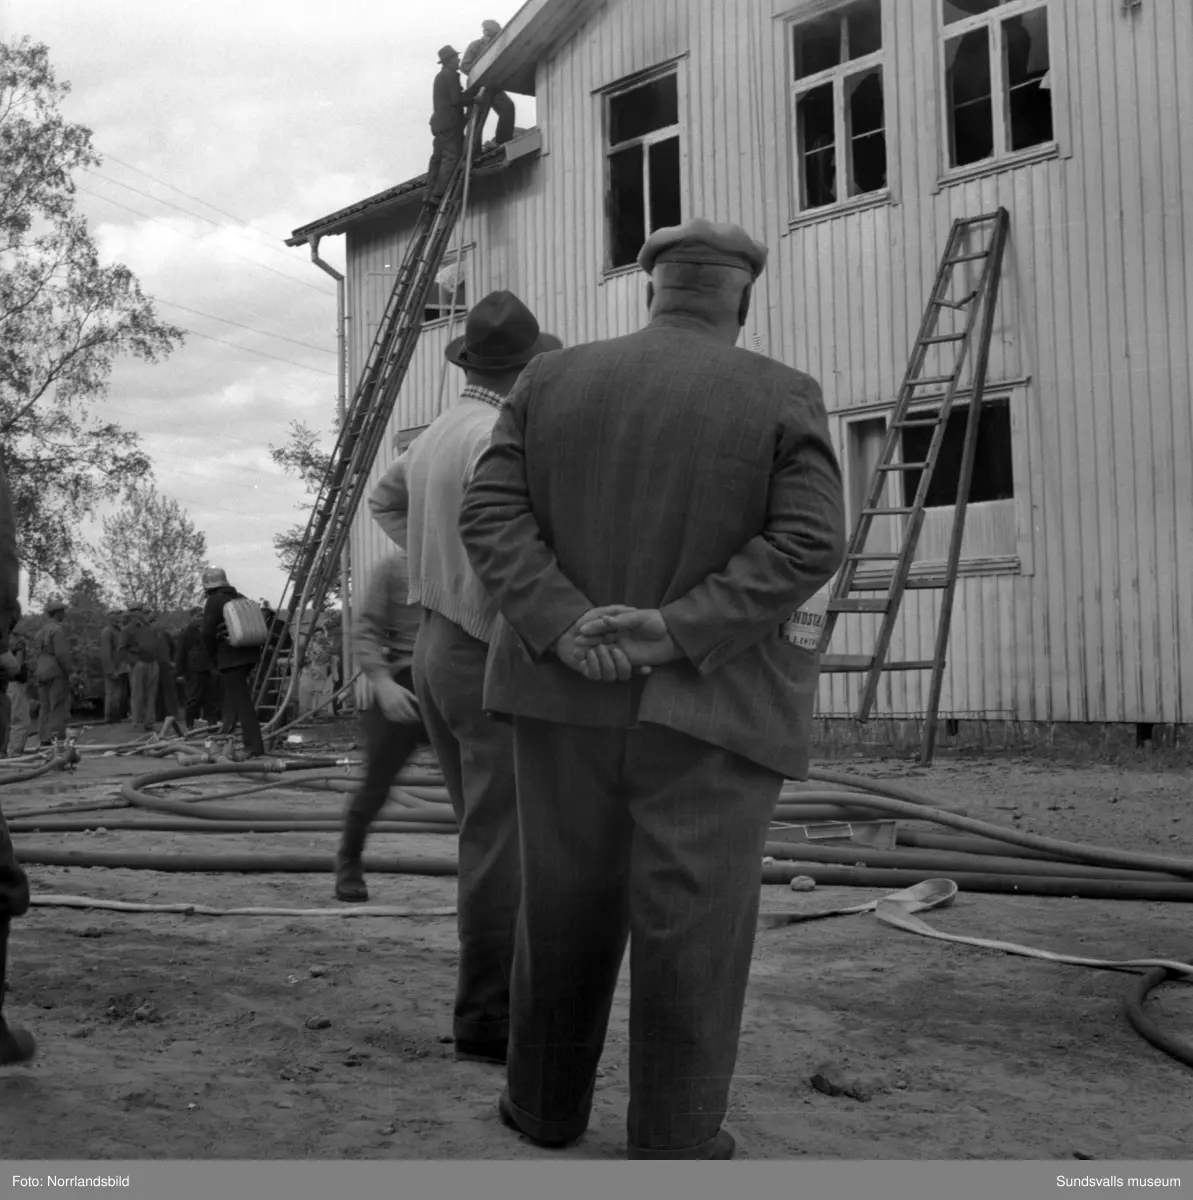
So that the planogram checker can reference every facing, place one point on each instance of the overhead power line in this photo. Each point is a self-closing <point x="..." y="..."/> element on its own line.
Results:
<point x="195" y="237"/>
<point x="250" y="350"/>
<point x="250" y="328"/>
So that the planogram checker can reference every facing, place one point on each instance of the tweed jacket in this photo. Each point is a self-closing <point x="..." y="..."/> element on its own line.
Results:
<point x="661" y="470"/>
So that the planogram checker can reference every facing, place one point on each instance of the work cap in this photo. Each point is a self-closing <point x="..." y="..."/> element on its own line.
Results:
<point x="55" y="604"/>
<point x="705" y="242"/>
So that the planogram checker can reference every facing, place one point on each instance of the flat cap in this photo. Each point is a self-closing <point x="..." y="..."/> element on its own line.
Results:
<point x="706" y="242"/>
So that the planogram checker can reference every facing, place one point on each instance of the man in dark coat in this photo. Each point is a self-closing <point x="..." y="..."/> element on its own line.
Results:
<point x="695" y="483"/>
<point x="16" y="1045"/>
<point x="54" y="669"/>
<point x="449" y="123"/>
<point x="499" y="102"/>
<point x="234" y="663"/>
<point x="194" y="667"/>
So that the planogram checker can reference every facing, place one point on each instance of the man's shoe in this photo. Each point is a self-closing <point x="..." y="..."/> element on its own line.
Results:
<point x="16" y="1045"/>
<point x="505" y="1110"/>
<point x="723" y="1146"/>
<point x="350" y="879"/>
<point x="481" y="1052"/>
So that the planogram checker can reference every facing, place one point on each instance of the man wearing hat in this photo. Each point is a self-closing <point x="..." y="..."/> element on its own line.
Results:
<point x="694" y="483"/>
<point x="417" y="504"/>
<point x="449" y="123"/>
<point x="233" y="664"/>
<point x="16" y="1045"/>
<point x="54" y="667"/>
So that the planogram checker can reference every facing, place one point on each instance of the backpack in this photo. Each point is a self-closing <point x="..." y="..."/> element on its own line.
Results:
<point x="245" y="623"/>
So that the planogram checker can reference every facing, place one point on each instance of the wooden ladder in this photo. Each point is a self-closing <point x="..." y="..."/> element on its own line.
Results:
<point x="979" y="302"/>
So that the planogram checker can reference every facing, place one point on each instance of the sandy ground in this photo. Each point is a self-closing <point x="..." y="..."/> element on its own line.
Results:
<point x="184" y="1037"/>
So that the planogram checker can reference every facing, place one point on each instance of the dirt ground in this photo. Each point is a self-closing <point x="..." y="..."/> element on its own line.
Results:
<point x="186" y="1037"/>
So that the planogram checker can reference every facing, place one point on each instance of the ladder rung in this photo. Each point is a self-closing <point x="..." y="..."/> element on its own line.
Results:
<point x="979" y="220"/>
<point x="885" y="557"/>
<point x="846" y="662"/>
<point x="859" y="606"/>
<point x="917" y="466"/>
<point x="929" y="379"/>
<point x="887" y="512"/>
<point x="942" y="337"/>
<point x="925" y="665"/>
<point x="914" y="422"/>
<point x="966" y="257"/>
<point x="956" y="303"/>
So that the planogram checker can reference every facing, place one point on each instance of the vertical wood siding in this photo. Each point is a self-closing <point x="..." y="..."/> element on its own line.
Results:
<point x="1094" y="313"/>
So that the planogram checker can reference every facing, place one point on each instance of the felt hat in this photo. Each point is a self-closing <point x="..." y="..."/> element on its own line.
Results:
<point x="500" y="334"/>
<point x="448" y="52"/>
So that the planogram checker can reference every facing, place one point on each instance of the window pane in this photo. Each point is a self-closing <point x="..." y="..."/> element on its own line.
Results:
<point x="642" y="110"/>
<point x="958" y="10"/>
<point x="864" y="25"/>
<point x="664" y="184"/>
<point x="817" y="45"/>
<point x="814" y="116"/>
<point x="627" y="206"/>
<point x="967" y="83"/>
<point x="993" y="478"/>
<point x="867" y="137"/>
<point x="1029" y="100"/>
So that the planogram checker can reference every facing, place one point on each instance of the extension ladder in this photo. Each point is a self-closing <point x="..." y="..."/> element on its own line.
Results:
<point x="360" y="437"/>
<point x="843" y="599"/>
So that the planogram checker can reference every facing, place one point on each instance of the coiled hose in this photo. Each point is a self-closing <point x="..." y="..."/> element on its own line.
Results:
<point x="978" y="862"/>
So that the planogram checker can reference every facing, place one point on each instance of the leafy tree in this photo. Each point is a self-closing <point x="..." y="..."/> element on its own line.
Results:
<point x="302" y="456"/>
<point x="65" y="317"/>
<point x="152" y="553"/>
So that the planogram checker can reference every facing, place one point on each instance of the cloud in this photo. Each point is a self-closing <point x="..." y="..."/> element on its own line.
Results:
<point x="268" y="113"/>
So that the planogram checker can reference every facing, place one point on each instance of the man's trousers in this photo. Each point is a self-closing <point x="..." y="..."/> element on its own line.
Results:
<point x="446" y="151"/>
<point x="14" y="886"/>
<point x="53" y="697"/>
<point x="476" y="756"/>
<point x="202" y="697"/>
<point x="115" y="697"/>
<point x="650" y="836"/>
<point x="238" y="708"/>
<point x="388" y="744"/>
<point x="143" y="687"/>
<point x="20" y="721"/>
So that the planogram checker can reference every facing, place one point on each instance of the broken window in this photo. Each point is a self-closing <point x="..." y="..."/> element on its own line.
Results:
<point x="643" y="173"/>
<point x="993" y="477"/>
<point x="839" y="107"/>
<point x="996" y="78"/>
<point x="447" y="295"/>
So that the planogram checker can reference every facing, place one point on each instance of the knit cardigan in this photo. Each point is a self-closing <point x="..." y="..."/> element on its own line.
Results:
<point x="417" y="504"/>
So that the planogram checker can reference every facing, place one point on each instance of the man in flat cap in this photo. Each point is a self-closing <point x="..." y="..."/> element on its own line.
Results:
<point x="417" y="504"/>
<point x="695" y="485"/>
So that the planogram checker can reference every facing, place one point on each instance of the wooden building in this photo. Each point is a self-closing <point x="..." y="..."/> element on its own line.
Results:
<point x="848" y="136"/>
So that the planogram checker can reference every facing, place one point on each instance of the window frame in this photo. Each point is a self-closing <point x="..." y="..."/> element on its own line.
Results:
<point x="672" y="67"/>
<point x="973" y="561"/>
<point x="837" y="75"/>
<point x="1001" y="159"/>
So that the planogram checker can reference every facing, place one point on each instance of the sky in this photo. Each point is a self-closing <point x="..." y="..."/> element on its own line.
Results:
<point x="223" y="127"/>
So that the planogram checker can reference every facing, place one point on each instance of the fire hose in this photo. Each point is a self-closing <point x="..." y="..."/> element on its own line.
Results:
<point x="976" y="855"/>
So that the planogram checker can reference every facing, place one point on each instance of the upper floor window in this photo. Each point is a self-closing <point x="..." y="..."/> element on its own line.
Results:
<point x="996" y="67"/>
<point x="643" y="186"/>
<point x="837" y="96"/>
<point x="447" y="296"/>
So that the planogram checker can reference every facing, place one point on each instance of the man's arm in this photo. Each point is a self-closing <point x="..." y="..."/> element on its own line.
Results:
<point x="61" y="649"/>
<point x="781" y="568"/>
<point x="211" y="624"/>
<point x="504" y="542"/>
<point x="390" y="502"/>
<point x="371" y="642"/>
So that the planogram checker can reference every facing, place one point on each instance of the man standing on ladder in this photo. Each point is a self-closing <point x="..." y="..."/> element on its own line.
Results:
<point x="417" y="504"/>
<point x="386" y="629"/>
<point x="16" y="1045"/>
<point x="449" y="124"/>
